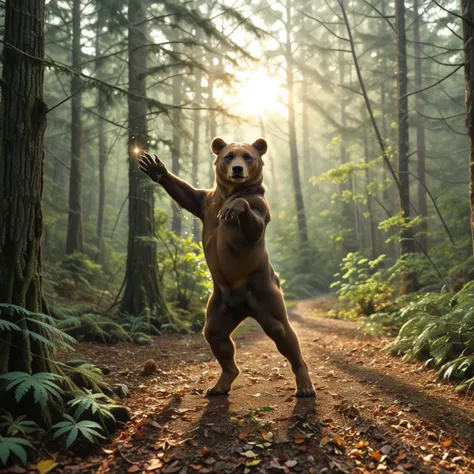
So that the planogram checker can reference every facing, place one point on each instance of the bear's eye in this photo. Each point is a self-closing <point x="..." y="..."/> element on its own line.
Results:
<point x="229" y="157"/>
<point x="248" y="158"/>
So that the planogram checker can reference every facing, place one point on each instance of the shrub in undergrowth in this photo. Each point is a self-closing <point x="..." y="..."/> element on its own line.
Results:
<point x="47" y="395"/>
<point x="439" y="328"/>
<point x="363" y="284"/>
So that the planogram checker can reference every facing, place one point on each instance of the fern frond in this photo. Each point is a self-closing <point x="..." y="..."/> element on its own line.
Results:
<point x="43" y="386"/>
<point x="16" y="446"/>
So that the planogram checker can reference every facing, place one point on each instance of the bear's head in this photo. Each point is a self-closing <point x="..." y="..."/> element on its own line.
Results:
<point x="238" y="163"/>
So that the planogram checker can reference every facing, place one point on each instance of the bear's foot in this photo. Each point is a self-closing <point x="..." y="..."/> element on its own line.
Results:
<point x="222" y="387"/>
<point x="304" y="386"/>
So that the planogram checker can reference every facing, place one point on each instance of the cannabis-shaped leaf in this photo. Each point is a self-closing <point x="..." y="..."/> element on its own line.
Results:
<point x="72" y="428"/>
<point x="43" y="385"/>
<point x="12" y="426"/>
<point x="15" y="446"/>
<point x="95" y="402"/>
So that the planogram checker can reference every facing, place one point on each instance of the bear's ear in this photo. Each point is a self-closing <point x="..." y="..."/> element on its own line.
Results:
<point x="217" y="145"/>
<point x="260" y="145"/>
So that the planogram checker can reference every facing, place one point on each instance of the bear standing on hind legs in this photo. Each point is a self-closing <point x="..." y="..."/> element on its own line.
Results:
<point x="234" y="215"/>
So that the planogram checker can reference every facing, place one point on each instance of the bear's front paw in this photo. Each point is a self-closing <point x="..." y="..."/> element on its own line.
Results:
<point x="233" y="210"/>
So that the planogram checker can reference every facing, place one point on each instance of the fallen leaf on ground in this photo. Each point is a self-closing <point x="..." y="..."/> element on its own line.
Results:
<point x="299" y="438"/>
<point x="249" y="454"/>
<point x="377" y="455"/>
<point x="447" y="443"/>
<point x="46" y="465"/>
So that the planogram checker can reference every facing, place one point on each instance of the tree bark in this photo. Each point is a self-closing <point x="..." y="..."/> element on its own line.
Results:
<point x="420" y="131"/>
<point x="101" y="110"/>
<point x="467" y="12"/>
<point x="407" y="243"/>
<point x="196" y="143"/>
<point x="211" y="117"/>
<point x="295" y="171"/>
<point x="75" y="232"/>
<point x="23" y="123"/>
<point x="141" y="288"/>
<point x="176" y="150"/>
<point x="350" y="242"/>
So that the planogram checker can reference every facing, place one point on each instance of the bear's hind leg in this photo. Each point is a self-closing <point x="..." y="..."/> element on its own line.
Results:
<point x="217" y="332"/>
<point x="274" y="322"/>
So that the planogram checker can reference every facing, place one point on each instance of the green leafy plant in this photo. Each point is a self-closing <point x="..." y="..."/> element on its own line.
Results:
<point x="54" y="336"/>
<point x="12" y="426"/>
<point x="440" y="330"/>
<point x="95" y="403"/>
<point x="72" y="428"/>
<point x="14" y="446"/>
<point x="86" y="375"/>
<point x="94" y="327"/>
<point x="43" y="385"/>
<point x="363" y="285"/>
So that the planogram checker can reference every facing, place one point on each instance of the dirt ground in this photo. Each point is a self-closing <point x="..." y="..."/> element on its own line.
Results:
<point x="373" y="412"/>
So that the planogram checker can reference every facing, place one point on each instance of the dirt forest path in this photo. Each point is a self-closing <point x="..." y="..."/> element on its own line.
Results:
<point x="373" y="412"/>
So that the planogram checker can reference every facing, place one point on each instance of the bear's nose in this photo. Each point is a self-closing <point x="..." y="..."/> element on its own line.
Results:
<point x="237" y="169"/>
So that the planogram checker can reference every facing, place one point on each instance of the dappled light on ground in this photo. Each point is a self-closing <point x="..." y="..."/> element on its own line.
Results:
<point x="373" y="412"/>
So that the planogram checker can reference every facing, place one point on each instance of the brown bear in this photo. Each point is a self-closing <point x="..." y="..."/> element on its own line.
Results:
<point x="234" y="215"/>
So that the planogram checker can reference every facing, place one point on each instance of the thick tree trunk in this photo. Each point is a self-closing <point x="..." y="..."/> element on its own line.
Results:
<point x="407" y="244"/>
<point x="101" y="110"/>
<point x="141" y="290"/>
<point x="420" y="131"/>
<point x="23" y="122"/>
<point x="295" y="171"/>
<point x="196" y="143"/>
<point x="75" y="232"/>
<point x="467" y="11"/>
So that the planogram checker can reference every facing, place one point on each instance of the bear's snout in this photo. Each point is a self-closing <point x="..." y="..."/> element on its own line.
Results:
<point x="237" y="170"/>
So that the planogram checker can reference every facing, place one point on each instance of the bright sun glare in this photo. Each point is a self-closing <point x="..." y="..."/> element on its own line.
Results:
<point x="259" y="93"/>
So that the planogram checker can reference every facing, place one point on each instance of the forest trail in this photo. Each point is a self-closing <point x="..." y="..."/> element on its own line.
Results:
<point x="373" y="412"/>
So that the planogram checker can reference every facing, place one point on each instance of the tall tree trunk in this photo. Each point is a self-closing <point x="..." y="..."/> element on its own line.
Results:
<point x="101" y="110"/>
<point x="350" y="244"/>
<point x="211" y="117"/>
<point x="368" y="196"/>
<point x="196" y="143"/>
<point x="75" y="232"/>
<point x="23" y="122"/>
<point x="295" y="171"/>
<point x="176" y="149"/>
<point x="407" y="244"/>
<point x="420" y="131"/>
<point x="467" y="11"/>
<point x="142" y="289"/>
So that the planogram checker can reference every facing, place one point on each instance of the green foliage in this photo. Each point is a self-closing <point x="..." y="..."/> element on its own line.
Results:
<point x="440" y="329"/>
<point x="53" y="337"/>
<point x="14" y="446"/>
<point x="94" y="327"/>
<point x="363" y="284"/>
<point x="12" y="426"/>
<point x="139" y="328"/>
<point x="80" y="265"/>
<point x="85" y="375"/>
<point x="187" y="280"/>
<point x="95" y="403"/>
<point x="43" y="384"/>
<point x="72" y="428"/>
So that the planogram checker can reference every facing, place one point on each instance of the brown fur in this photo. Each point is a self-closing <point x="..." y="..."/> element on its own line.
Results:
<point x="235" y="214"/>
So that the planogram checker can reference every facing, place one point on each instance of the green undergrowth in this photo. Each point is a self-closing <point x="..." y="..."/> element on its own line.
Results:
<point x="68" y="406"/>
<point x="439" y="329"/>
